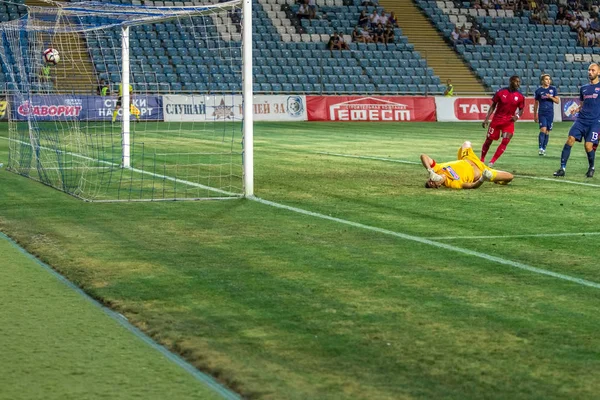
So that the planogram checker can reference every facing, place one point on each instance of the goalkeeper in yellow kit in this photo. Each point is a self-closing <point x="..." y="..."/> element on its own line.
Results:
<point x="468" y="172"/>
<point x="132" y="109"/>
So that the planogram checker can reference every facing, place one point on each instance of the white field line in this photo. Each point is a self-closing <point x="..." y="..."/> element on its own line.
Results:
<point x="369" y="158"/>
<point x="539" y="178"/>
<point x="430" y="242"/>
<point x="418" y="163"/>
<point x="533" y="235"/>
<point x="168" y="178"/>
<point x="417" y="239"/>
<point x="108" y="167"/>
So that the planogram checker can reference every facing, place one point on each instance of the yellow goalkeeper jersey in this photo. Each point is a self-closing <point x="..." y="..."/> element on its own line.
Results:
<point x="461" y="171"/>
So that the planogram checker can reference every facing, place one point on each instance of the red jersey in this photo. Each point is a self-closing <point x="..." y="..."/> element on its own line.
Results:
<point x="507" y="104"/>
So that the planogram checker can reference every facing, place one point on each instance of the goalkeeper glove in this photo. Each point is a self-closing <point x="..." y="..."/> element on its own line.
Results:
<point x="434" y="177"/>
<point x="487" y="175"/>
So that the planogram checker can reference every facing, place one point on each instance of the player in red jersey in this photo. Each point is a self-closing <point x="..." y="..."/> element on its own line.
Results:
<point x="508" y="104"/>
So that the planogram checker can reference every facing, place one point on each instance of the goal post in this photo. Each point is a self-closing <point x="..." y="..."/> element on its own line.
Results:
<point x="174" y="120"/>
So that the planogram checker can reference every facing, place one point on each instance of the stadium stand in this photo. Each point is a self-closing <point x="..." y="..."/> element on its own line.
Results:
<point x="9" y="12"/>
<point x="290" y="55"/>
<point x="513" y="38"/>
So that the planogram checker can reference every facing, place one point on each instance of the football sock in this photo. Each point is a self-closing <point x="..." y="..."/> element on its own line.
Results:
<point x="546" y="138"/>
<point x="564" y="157"/>
<point x="591" y="158"/>
<point x="115" y="113"/>
<point x="485" y="148"/>
<point x="500" y="149"/>
<point x="541" y="139"/>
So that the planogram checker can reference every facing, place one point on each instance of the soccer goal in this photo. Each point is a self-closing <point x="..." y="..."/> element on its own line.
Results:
<point x="111" y="102"/>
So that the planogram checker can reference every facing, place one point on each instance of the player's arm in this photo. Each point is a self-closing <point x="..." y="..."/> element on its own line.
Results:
<point x="555" y="99"/>
<point x="473" y="185"/>
<point x="518" y="114"/>
<point x="427" y="162"/>
<point x="536" y="105"/>
<point x="520" y="110"/>
<point x="487" y="116"/>
<point x="486" y="175"/>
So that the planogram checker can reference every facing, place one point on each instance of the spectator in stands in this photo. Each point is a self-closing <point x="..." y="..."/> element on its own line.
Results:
<point x="363" y="18"/>
<point x="336" y="42"/>
<point x="474" y="34"/>
<point x="584" y="23"/>
<point x="367" y="35"/>
<point x="532" y="5"/>
<point x="388" y="35"/>
<point x="393" y="20"/>
<point x="456" y="36"/>
<point x="486" y="4"/>
<point x="544" y="15"/>
<point x="581" y="38"/>
<point x="573" y="23"/>
<point x="342" y="42"/>
<point x="372" y="3"/>
<point x="374" y="19"/>
<point x="378" y="34"/>
<point x="534" y="17"/>
<point x="357" y="36"/>
<point x="303" y="11"/>
<point x="103" y="89"/>
<point x="590" y="37"/>
<point x="477" y="4"/>
<point x="561" y="16"/>
<point x="383" y="18"/>
<point x="595" y="28"/>
<point x="312" y="9"/>
<point x="464" y="36"/>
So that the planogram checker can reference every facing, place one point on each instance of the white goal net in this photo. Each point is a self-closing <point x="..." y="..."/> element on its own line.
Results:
<point x="145" y="103"/>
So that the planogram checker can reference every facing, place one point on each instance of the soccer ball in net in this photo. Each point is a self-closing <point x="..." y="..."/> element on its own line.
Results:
<point x="51" y="56"/>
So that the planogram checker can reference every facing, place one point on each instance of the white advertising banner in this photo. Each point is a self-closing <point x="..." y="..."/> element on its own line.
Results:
<point x="474" y="109"/>
<point x="200" y="108"/>
<point x="203" y="108"/>
<point x="280" y="108"/>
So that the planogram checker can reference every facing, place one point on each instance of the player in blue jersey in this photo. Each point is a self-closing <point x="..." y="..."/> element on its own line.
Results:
<point x="543" y="110"/>
<point x="587" y="125"/>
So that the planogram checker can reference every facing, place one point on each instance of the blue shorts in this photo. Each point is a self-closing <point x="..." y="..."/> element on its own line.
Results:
<point x="546" y="121"/>
<point x="585" y="130"/>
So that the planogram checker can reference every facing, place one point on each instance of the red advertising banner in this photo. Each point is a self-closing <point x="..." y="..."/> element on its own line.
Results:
<point x="476" y="108"/>
<point x="370" y="108"/>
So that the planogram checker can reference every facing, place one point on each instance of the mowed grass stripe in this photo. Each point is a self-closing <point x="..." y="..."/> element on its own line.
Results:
<point x="430" y="242"/>
<point x="76" y="348"/>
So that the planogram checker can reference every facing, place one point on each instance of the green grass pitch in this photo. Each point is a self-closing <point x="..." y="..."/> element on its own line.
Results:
<point x="346" y="300"/>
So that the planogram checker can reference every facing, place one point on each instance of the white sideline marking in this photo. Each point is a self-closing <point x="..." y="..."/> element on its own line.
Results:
<point x="369" y="158"/>
<point x="430" y="242"/>
<point x="557" y="180"/>
<point x="404" y="236"/>
<point x="517" y="236"/>
<point x="418" y="163"/>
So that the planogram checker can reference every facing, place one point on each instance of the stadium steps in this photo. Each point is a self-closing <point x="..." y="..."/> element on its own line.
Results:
<point x="74" y="73"/>
<point x="445" y="62"/>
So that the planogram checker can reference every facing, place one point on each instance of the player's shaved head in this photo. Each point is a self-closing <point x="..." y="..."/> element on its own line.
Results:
<point x="593" y="72"/>
<point x="514" y="82"/>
